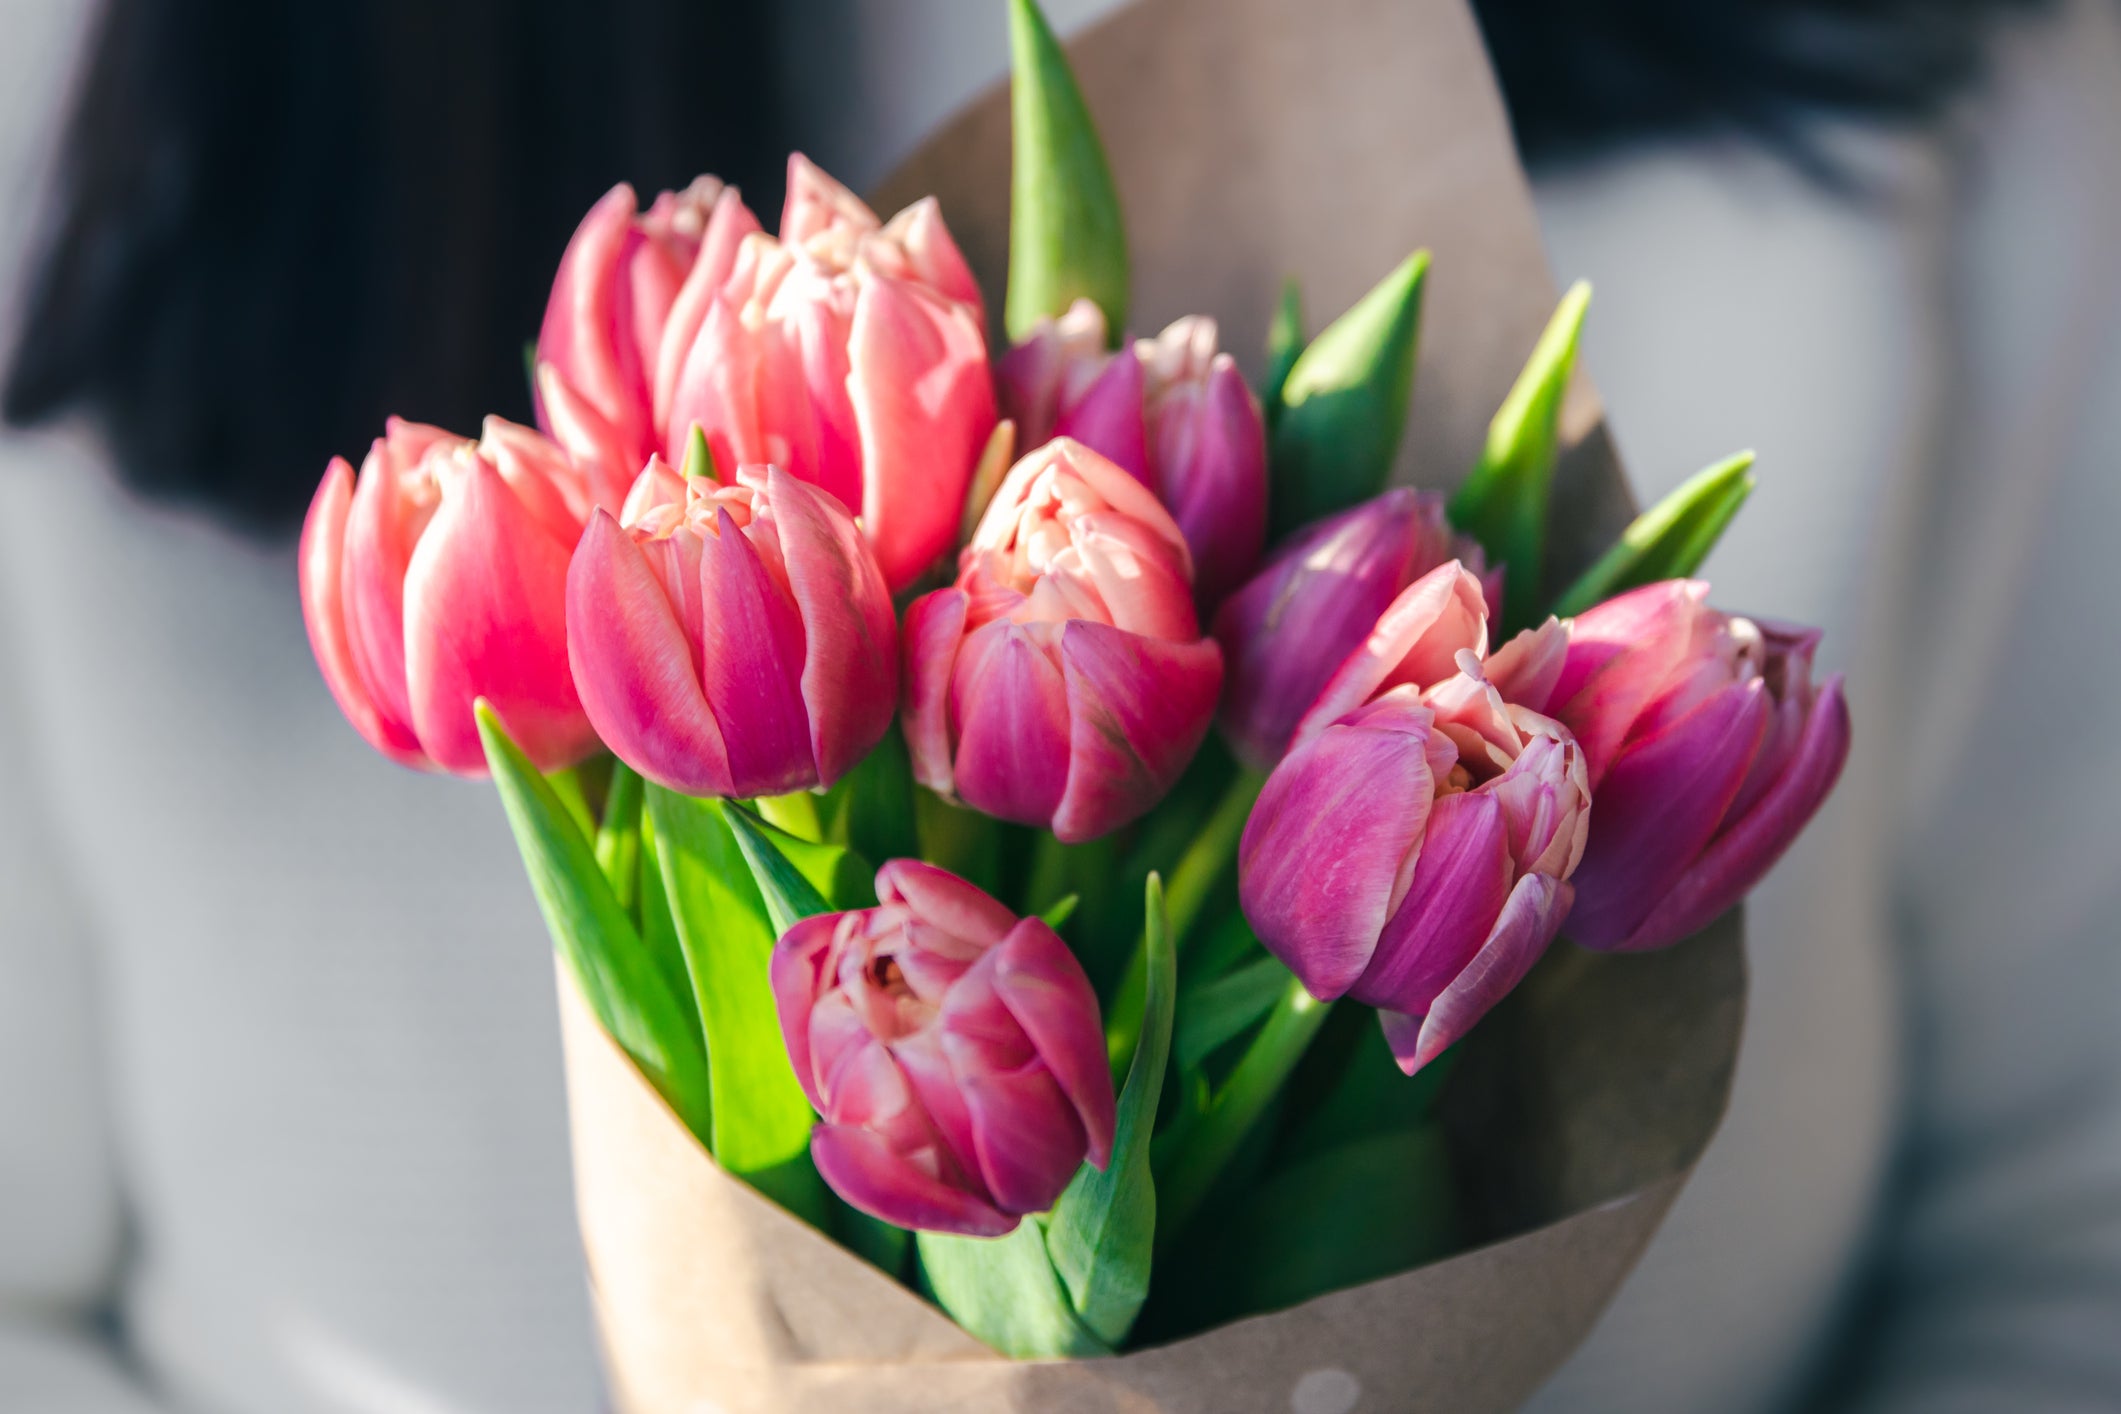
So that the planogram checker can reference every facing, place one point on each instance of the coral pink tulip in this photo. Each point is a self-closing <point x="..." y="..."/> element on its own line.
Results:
<point x="1298" y="619"/>
<point x="1707" y="744"/>
<point x="439" y="577"/>
<point x="601" y="348"/>
<point x="1171" y="410"/>
<point x="1062" y="681"/>
<point x="850" y="352"/>
<point x="1413" y="849"/>
<point x="732" y="640"/>
<point x="953" y="1050"/>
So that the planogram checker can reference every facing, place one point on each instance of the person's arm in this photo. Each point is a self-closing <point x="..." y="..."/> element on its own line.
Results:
<point x="60" y="1216"/>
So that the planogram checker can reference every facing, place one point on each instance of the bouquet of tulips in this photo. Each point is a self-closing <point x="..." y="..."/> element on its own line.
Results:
<point x="1029" y="832"/>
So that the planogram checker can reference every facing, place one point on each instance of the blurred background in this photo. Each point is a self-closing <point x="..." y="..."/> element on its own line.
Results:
<point x="281" y="1123"/>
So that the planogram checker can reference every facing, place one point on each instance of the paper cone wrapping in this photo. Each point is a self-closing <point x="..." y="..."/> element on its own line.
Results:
<point x="1251" y="139"/>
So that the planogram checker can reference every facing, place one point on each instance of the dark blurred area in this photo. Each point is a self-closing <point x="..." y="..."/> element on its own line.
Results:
<point x="274" y="222"/>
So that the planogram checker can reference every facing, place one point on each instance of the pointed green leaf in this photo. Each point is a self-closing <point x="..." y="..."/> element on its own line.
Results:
<point x="1669" y="540"/>
<point x="1285" y="340"/>
<point x="699" y="457"/>
<point x="1102" y="1233"/>
<point x="1057" y="915"/>
<point x="1503" y="503"/>
<point x="762" y="1119"/>
<point x="619" y="835"/>
<point x="1066" y="237"/>
<point x="1224" y="1009"/>
<point x="1344" y="402"/>
<point x="659" y="934"/>
<point x="628" y="993"/>
<point x="1004" y="1290"/>
<point x="799" y="878"/>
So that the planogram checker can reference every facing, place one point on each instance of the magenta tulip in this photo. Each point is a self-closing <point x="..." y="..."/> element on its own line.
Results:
<point x="1414" y="852"/>
<point x="1707" y="744"/>
<point x="1286" y="631"/>
<point x="439" y="577"/>
<point x="601" y="349"/>
<point x="732" y="640"/>
<point x="850" y="352"/>
<point x="1171" y="410"/>
<point x="953" y="1050"/>
<point x="1062" y="681"/>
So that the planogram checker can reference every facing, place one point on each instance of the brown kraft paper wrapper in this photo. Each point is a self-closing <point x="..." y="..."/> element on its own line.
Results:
<point x="1251" y="140"/>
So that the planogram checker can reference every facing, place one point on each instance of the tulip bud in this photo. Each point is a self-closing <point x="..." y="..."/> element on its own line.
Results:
<point x="1171" y="410"/>
<point x="439" y="577"/>
<point x="627" y="276"/>
<point x="1706" y="742"/>
<point x="1286" y="631"/>
<point x="1062" y="681"/>
<point x="1414" y="854"/>
<point x="732" y="640"/>
<point x="849" y="352"/>
<point x="953" y="1050"/>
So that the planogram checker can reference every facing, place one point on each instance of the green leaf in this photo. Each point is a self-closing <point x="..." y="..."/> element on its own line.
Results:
<point x="619" y="978"/>
<point x="1056" y="915"/>
<point x="1285" y="340"/>
<point x="798" y="878"/>
<point x="1220" y="1011"/>
<point x="1004" y="1291"/>
<point x="872" y="807"/>
<point x="1369" y="1209"/>
<point x="1066" y="237"/>
<point x="1344" y="403"/>
<point x="618" y="844"/>
<point x="659" y="934"/>
<point x="1102" y="1234"/>
<point x="1503" y="503"/>
<point x="1669" y="540"/>
<point x="699" y="457"/>
<point x="762" y="1119"/>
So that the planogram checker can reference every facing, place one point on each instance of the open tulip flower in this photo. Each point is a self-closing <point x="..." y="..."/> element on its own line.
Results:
<point x="1707" y="743"/>
<point x="1172" y="410"/>
<point x="954" y="1051"/>
<point x="732" y="640"/>
<point x="1414" y="847"/>
<point x="1293" y="624"/>
<point x="438" y="577"/>
<point x="1062" y="681"/>
<point x="602" y="365"/>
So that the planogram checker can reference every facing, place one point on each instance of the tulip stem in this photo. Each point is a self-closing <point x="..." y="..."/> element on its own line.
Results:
<point x="1198" y="1152"/>
<point x="1198" y="871"/>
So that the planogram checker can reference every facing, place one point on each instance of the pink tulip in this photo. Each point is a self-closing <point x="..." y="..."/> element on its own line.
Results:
<point x="1413" y="849"/>
<point x="1286" y="631"/>
<point x="953" y="1050"/>
<point x="732" y="640"/>
<point x="1171" y="410"/>
<point x="601" y="349"/>
<point x="849" y="352"/>
<point x="1062" y="681"/>
<point x="1707" y="745"/>
<point x="439" y="577"/>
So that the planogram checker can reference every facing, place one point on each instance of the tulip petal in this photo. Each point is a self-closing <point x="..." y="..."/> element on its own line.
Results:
<point x="1456" y="891"/>
<point x="718" y="390"/>
<point x="322" y="559"/>
<point x="751" y="665"/>
<point x="635" y="668"/>
<point x="932" y="256"/>
<point x="486" y="616"/>
<point x="1137" y="709"/>
<point x="588" y="308"/>
<point x="795" y="972"/>
<point x="1028" y="1136"/>
<point x="1108" y="418"/>
<point x="818" y="205"/>
<point x="1744" y="852"/>
<point x="1011" y="706"/>
<point x="1660" y="803"/>
<point x="1621" y="655"/>
<point x="605" y="455"/>
<point x="1527" y="925"/>
<point x="941" y="898"/>
<point x="850" y="653"/>
<point x="863" y="1169"/>
<point x="1044" y="987"/>
<point x="382" y="527"/>
<point x="1417" y="640"/>
<point x="923" y="400"/>
<point x="1210" y="462"/>
<point x="935" y="625"/>
<point x="1321" y="856"/>
<point x="727" y="227"/>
